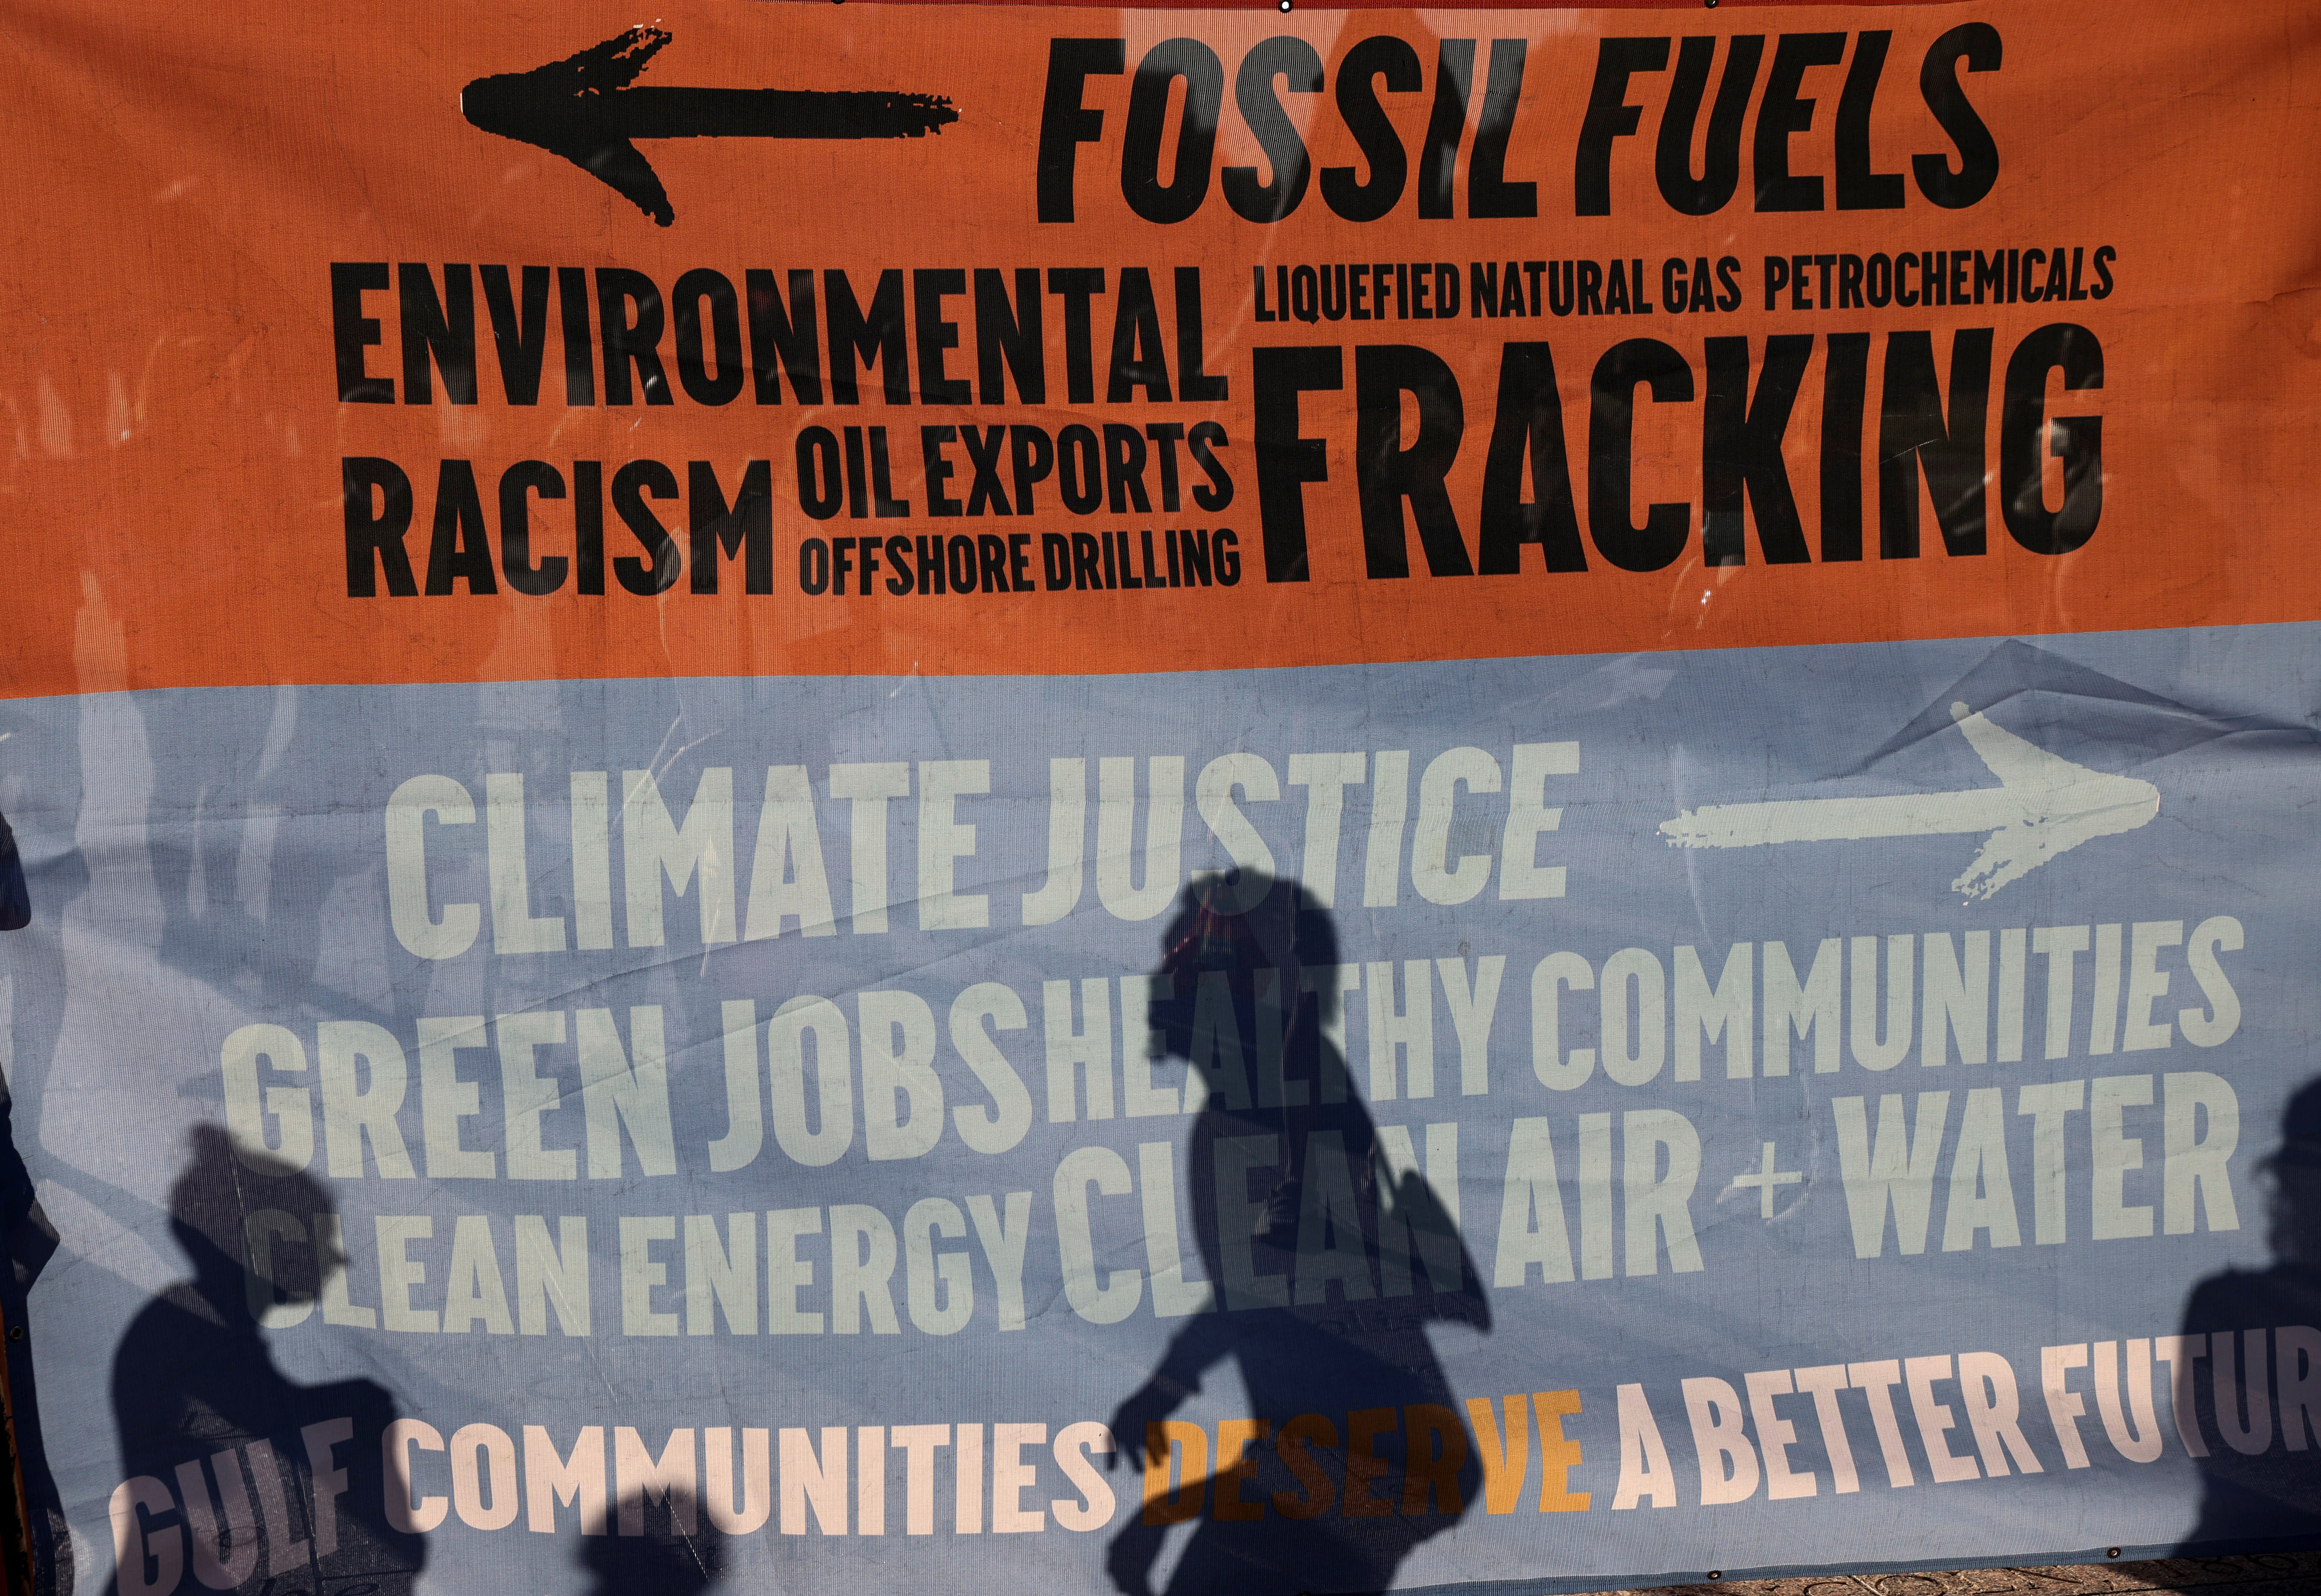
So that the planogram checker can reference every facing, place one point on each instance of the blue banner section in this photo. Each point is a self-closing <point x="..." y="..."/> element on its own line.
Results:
<point x="1331" y="1129"/>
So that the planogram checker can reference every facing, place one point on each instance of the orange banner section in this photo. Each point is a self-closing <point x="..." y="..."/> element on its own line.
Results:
<point x="436" y="345"/>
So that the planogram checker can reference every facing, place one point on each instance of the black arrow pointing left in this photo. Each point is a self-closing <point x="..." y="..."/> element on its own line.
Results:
<point x="584" y="109"/>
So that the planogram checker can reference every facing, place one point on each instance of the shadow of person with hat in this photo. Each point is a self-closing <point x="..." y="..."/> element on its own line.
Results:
<point x="2261" y="1479"/>
<point x="236" y="1475"/>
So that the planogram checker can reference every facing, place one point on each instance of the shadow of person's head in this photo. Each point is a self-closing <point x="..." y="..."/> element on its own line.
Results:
<point x="656" y="1547"/>
<point x="263" y="1236"/>
<point x="1236" y="925"/>
<point x="2296" y="1171"/>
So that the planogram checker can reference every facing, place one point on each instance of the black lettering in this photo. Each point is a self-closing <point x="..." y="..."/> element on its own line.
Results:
<point x="1304" y="295"/>
<point x="884" y="502"/>
<point x="631" y="343"/>
<point x="1228" y="557"/>
<point x="937" y="467"/>
<point x="1386" y="472"/>
<point x="517" y="484"/>
<point x="461" y="551"/>
<point x="1489" y="192"/>
<point x="352" y="331"/>
<point x="1858" y="186"/>
<point x="1009" y="334"/>
<point x="1285" y="460"/>
<point x="1721" y="157"/>
<point x="790" y="336"/>
<point x="1385" y="57"/>
<point x="860" y="338"/>
<point x="1293" y="60"/>
<point x="520" y="338"/>
<point x="744" y="530"/>
<point x="1611" y="430"/>
<point x="579" y="350"/>
<point x="1784" y="114"/>
<point x="696" y="286"/>
<point x="1081" y="470"/>
<point x="985" y="495"/>
<point x="442" y="331"/>
<point x="1877" y="281"/>
<point x="1529" y="421"/>
<point x="1912" y="429"/>
<point x="1197" y="130"/>
<point x="1137" y="361"/>
<point x="1194" y="385"/>
<point x="858" y="477"/>
<point x="1033" y="458"/>
<point x="1438" y="154"/>
<point x="2027" y="437"/>
<point x="960" y="563"/>
<point x="991" y="557"/>
<point x="1168" y="434"/>
<point x="1741" y="452"/>
<point x="1123" y="469"/>
<point x="1978" y="45"/>
<point x="1849" y="282"/>
<point x="588" y="527"/>
<point x="929" y="288"/>
<point x="1065" y="123"/>
<point x="1194" y="544"/>
<point x="1990" y="274"/>
<point x="1609" y="117"/>
<point x="1204" y="439"/>
<point x="820" y="489"/>
<point x="630" y="485"/>
<point x="1076" y="285"/>
<point x="376" y="527"/>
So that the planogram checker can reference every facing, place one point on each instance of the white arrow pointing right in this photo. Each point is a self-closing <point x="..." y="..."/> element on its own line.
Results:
<point x="2044" y="806"/>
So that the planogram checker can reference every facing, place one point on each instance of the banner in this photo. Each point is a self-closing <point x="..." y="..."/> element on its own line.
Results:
<point x="1267" y="800"/>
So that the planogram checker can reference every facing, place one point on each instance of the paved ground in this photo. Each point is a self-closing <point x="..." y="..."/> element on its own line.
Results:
<point x="2276" y="1575"/>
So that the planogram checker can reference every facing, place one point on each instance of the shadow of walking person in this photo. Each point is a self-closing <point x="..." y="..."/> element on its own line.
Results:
<point x="1354" y="1452"/>
<point x="663" y="1547"/>
<point x="209" y="1425"/>
<point x="2260" y="1484"/>
<point x="31" y="1510"/>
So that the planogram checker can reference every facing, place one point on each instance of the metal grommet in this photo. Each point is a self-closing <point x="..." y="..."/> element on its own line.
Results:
<point x="15" y="1332"/>
<point x="2111" y="1552"/>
